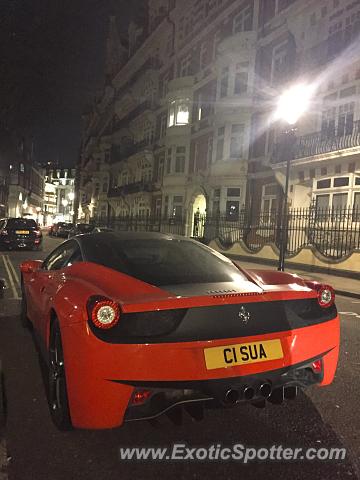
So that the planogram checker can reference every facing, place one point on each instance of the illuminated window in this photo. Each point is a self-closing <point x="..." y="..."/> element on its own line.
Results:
<point x="179" y="112"/>
<point x="172" y="114"/>
<point x="182" y="114"/>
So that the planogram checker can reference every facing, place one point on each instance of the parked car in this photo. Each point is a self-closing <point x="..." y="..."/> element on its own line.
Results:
<point x="20" y="233"/>
<point x="52" y="229"/>
<point x="62" y="229"/>
<point x="82" y="228"/>
<point x="134" y="325"/>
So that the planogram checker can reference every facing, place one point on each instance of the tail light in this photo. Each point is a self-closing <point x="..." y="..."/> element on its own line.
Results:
<point x="103" y="312"/>
<point x="325" y="293"/>
<point x="38" y="233"/>
<point x="326" y="296"/>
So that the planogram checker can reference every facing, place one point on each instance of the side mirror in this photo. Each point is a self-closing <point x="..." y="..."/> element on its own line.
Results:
<point x="31" y="266"/>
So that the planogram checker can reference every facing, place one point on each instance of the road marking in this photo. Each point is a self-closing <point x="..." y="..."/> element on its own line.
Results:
<point x="9" y="274"/>
<point x="15" y="274"/>
<point x="350" y="314"/>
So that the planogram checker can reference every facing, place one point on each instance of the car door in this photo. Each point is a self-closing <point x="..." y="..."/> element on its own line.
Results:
<point x="45" y="282"/>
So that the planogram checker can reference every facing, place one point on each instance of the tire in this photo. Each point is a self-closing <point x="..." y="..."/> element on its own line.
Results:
<point x="57" y="390"/>
<point x="2" y="399"/>
<point x="24" y="320"/>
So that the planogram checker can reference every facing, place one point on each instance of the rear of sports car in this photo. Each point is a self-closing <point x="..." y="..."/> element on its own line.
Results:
<point x="198" y="347"/>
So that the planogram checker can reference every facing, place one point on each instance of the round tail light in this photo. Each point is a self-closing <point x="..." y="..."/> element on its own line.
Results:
<point x="105" y="314"/>
<point x="326" y="296"/>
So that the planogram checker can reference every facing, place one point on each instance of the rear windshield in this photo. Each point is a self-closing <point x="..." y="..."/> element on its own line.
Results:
<point x="162" y="262"/>
<point x="21" y="223"/>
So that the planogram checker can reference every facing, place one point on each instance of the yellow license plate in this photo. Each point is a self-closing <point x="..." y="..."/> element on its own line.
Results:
<point x="242" y="354"/>
<point x="22" y="232"/>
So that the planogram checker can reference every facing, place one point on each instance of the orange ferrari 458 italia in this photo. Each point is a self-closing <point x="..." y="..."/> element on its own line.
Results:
<point x="134" y="325"/>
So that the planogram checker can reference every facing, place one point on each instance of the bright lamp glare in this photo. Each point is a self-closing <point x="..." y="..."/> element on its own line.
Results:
<point x="293" y="103"/>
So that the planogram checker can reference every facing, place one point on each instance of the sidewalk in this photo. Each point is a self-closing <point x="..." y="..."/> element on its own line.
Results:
<point x="342" y="285"/>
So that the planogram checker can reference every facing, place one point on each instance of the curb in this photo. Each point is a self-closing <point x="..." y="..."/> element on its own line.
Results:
<point x="344" y="293"/>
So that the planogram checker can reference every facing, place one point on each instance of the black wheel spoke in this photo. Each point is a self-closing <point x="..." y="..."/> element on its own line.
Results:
<point x="57" y="383"/>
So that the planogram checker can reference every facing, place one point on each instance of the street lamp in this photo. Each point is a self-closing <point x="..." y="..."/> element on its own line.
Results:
<point x="292" y="104"/>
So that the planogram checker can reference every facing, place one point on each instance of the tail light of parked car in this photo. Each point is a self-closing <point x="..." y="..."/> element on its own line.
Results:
<point x="325" y="293"/>
<point x="103" y="312"/>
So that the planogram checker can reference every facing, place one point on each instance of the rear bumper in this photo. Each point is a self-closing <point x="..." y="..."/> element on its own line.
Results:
<point x="102" y="377"/>
<point x="21" y="243"/>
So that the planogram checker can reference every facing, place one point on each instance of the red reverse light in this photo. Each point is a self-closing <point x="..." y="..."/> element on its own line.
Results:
<point x="317" y="366"/>
<point x="140" y="397"/>
<point x="105" y="314"/>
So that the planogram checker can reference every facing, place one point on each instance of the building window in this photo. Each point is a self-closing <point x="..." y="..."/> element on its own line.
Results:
<point x="301" y="176"/>
<point x="163" y="126"/>
<point x="339" y="200"/>
<point x="341" y="182"/>
<point x="346" y="119"/>
<point x="233" y="203"/>
<point x="243" y="20"/>
<point x="168" y="160"/>
<point x="172" y="114"/>
<point x="323" y="171"/>
<point x="323" y="184"/>
<point x="224" y="82"/>
<point x="220" y="144"/>
<point x="241" y="83"/>
<point x="180" y="160"/>
<point x="182" y="114"/>
<point x="179" y="112"/>
<point x="237" y="141"/>
<point x="233" y="192"/>
<point x="166" y="206"/>
<point x="217" y="40"/>
<point x="185" y="66"/>
<point x="322" y="202"/>
<point x="337" y="169"/>
<point x="312" y="173"/>
<point x="161" y="166"/>
<point x="357" y="203"/>
<point x="232" y="209"/>
<point x="22" y="168"/>
<point x="158" y="207"/>
<point x="177" y="206"/>
<point x="279" y="63"/>
<point x="269" y="202"/>
<point x="203" y="55"/>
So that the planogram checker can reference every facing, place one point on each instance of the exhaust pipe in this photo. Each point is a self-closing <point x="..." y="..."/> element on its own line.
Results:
<point x="248" y="392"/>
<point x="265" y="390"/>
<point x="231" y="397"/>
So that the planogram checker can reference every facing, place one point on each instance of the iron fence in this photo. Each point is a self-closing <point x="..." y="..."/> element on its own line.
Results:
<point x="333" y="232"/>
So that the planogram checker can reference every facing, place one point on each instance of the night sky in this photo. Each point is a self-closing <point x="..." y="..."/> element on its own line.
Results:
<point x="52" y="58"/>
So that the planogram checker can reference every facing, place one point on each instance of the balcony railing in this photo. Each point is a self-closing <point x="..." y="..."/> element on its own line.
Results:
<point x="122" y="152"/>
<point x="136" y="187"/>
<point x="135" y="112"/>
<point x="319" y="143"/>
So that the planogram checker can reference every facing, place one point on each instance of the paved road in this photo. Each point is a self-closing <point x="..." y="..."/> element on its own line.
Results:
<point x="326" y="417"/>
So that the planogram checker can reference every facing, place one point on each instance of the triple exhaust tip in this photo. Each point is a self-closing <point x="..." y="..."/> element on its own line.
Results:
<point x="233" y="396"/>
